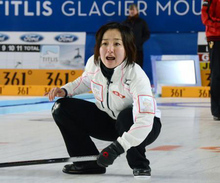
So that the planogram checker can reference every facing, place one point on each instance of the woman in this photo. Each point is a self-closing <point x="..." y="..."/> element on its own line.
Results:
<point x="125" y="111"/>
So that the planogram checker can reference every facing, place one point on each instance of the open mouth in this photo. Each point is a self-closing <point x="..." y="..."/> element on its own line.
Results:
<point x="110" y="58"/>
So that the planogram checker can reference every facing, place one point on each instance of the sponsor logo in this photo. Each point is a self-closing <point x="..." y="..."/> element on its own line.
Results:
<point x="118" y="94"/>
<point x="127" y="81"/>
<point x="55" y="107"/>
<point x="66" y="38"/>
<point x="31" y="38"/>
<point x="3" y="37"/>
<point x="50" y="56"/>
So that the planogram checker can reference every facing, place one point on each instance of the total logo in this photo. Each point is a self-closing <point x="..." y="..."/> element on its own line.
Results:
<point x="3" y="37"/>
<point x="66" y="38"/>
<point x="31" y="38"/>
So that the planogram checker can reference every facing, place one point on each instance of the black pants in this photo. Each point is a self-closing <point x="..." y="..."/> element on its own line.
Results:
<point x="214" y="54"/>
<point x="78" y="120"/>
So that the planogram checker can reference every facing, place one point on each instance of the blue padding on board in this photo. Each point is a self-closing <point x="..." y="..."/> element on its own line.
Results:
<point x="33" y="104"/>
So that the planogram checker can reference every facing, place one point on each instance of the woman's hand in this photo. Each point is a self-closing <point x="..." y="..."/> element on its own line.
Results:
<point x="109" y="154"/>
<point x="55" y="92"/>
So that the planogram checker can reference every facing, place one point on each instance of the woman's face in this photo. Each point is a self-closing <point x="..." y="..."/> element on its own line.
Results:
<point x="112" y="51"/>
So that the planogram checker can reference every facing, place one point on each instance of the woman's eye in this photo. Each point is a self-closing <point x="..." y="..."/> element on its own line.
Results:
<point x="117" y="44"/>
<point x="104" y="44"/>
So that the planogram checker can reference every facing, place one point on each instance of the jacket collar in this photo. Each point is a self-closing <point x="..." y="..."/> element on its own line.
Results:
<point x="118" y="71"/>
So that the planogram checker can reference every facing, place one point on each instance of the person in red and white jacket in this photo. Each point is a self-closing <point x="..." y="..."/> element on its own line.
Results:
<point x="124" y="111"/>
<point x="211" y="19"/>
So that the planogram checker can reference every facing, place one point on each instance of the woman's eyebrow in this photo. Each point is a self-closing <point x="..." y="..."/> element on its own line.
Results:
<point x="113" y="39"/>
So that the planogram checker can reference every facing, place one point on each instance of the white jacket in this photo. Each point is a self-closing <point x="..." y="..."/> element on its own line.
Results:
<point x="129" y="86"/>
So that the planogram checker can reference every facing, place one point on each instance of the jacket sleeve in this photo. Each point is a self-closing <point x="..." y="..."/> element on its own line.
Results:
<point x="209" y="12"/>
<point x="144" y="107"/>
<point x="83" y="83"/>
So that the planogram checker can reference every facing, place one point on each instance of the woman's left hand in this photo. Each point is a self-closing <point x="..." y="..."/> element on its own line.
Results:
<point x="109" y="154"/>
<point x="55" y="92"/>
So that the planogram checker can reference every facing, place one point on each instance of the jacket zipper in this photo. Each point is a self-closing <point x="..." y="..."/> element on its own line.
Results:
<point x="102" y="105"/>
<point x="108" y="83"/>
